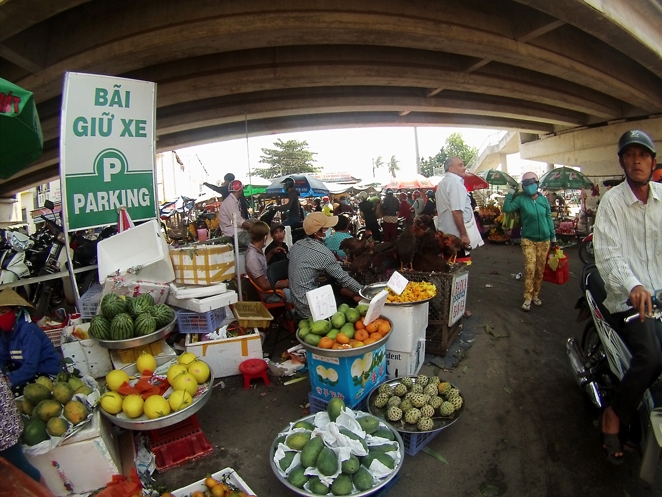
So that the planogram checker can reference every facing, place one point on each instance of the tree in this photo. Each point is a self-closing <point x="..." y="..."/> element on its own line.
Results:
<point x="393" y="166"/>
<point x="453" y="147"/>
<point x="290" y="157"/>
<point x="376" y="164"/>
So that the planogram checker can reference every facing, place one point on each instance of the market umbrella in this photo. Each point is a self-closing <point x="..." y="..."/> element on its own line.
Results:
<point x="498" y="178"/>
<point x="564" y="178"/>
<point x="21" y="140"/>
<point x="474" y="182"/>
<point x="412" y="183"/>
<point x="307" y="186"/>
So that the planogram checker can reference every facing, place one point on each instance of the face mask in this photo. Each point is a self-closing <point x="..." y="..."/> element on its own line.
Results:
<point x="531" y="189"/>
<point x="7" y="321"/>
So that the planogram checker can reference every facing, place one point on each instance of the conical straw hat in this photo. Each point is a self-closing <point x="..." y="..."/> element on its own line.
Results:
<point x="9" y="297"/>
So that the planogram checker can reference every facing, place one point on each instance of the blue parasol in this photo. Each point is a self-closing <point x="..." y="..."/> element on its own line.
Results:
<point x="307" y="186"/>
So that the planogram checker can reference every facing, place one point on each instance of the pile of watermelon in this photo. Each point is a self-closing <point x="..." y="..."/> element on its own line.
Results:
<point x="123" y="317"/>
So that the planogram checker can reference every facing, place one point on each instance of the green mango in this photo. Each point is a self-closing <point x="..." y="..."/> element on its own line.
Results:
<point x="297" y="478"/>
<point x="327" y="462"/>
<point x="348" y="330"/>
<point x="381" y="457"/>
<point x="342" y="308"/>
<point x="334" y="408"/>
<point x="363" y="480"/>
<point x="338" y="320"/>
<point x="310" y="452"/>
<point x="342" y="485"/>
<point x="351" y="465"/>
<point x="362" y="308"/>
<point x="354" y="436"/>
<point x="352" y="315"/>
<point x="313" y="340"/>
<point x="297" y="440"/>
<point x="369" y="424"/>
<point x="285" y="462"/>
<point x="304" y="424"/>
<point x="320" y="327"/>
<point x="384" y="433"/>
<point x="332" y="334"/>
<point x="303" y="333"/>
<point x="384" y="448"/>
<point x="317" y="487"/>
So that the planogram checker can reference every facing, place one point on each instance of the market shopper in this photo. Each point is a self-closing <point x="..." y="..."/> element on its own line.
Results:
<point x="419" y="203"/>
<point x="430" y="207"/>
<point x="11" y="427"/>
<point x="327" y="207"/>
<point x="256" y="263"/>
<point x="390" y="207"/>
<point x="25" y="350"/>
<point x="232" y="206"/>
<point x="405" y="207"/>
<point x="341" y="233"/>
<point x="310" y="259"/>
<point x="537" y="234"/>
<point x="627" y="239"/>
<point x="277" y="249"/>
<point x="224" y="192"/>
<point x="292" y="209"/>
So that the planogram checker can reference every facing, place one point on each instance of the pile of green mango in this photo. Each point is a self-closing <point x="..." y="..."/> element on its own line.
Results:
<point x="354" y="473"/>
<point x="342" y="321"/>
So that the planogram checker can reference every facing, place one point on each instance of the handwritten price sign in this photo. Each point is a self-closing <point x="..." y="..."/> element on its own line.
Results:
<point x="322" y="302"/>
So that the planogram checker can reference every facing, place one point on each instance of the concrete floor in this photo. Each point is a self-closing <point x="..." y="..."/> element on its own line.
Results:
<point x="527" y="430"/>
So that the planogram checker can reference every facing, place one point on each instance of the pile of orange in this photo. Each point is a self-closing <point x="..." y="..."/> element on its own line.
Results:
<point x="215" y="488"/>
<point x="363" y="335"/>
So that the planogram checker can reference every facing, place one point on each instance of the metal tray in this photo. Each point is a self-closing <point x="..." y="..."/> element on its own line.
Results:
<point x="347" y="352"/>
<point x="142" y="423"/>
<point x="439" y="423"/>
<point x="130" y="343"/>
<point x="373" y="490"/>
<point x="369" y="291"/>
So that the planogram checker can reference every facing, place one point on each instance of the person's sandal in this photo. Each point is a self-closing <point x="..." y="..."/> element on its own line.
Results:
<point x="536" y="301"/>
<point x="526" y="306"/>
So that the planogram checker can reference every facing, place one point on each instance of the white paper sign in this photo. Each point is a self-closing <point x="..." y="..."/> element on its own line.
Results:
<point x="458" y="298"/>
<point x="375" y="308"/>
<point x="322" y="302"/>
<point x="397" y="283"/>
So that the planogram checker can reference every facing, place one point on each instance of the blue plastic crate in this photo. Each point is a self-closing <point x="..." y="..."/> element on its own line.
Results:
<point x="318" y="405"/>
<point x="414" y="442"/>
<point x="200" y="322"/>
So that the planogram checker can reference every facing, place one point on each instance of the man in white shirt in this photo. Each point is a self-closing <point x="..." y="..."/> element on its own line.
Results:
<point x="453" y="203"/>
<point x="232" y="205"/>
<point x="628" y="251"/>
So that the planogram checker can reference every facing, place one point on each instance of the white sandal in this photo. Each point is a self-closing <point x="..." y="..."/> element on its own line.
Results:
<point x="526" y="306"/>
<point x="536" y="301"/>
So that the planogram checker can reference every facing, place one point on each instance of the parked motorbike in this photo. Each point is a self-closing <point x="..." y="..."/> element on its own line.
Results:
<point x="13" y="261"/>
<point x="601" y="359"/>
<point x="586" y="253"/>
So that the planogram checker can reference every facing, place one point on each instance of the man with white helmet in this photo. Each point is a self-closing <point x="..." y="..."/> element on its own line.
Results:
<point x="232" y="206"/>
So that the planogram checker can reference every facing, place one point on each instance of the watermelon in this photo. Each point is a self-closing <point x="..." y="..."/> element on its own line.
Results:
<point x="146" y="299"/>
<point x="144" y="324"/>
<point x="136" y="307"/>
<point x="162" y="313"/>
<point x="100" y="328"/>
<point x="112" y="305"/>
<point x="121" y="328"/>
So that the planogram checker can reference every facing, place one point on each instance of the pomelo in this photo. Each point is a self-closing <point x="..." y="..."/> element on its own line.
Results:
<point x="186" y="358"/>
<point x="174" y="370"/>
<point x="146" y="363"/>
<point x="200" y="371"/>
<point x="132" y="406"/>
<point x="116" y="378"/>
<point x="179" y="399"/>
<point x="156" y="407"/>
<point x="111" y="402"/>
<point x="186" y="381"/>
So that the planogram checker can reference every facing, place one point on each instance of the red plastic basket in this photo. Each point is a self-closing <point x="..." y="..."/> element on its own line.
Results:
<point x="560" y="276"/>
<point x="178" y="444"/>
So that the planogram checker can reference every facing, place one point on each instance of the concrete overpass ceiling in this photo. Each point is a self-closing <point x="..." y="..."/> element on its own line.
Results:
<point x="527" y="65"/>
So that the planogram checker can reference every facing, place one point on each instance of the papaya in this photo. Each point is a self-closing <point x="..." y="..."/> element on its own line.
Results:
<point x="317" y="487"/>
<point x="342" y="485"/>
<point x="351" y="465"/>
<point x="363" y="480"/>
<point x="327" y="462"/>
<point x="297" y="478"/>
<point x="384" y="433"/>
<point x="381" y="457"/>
<point x="310" y="451"/>
<point x="286" y="461"/>
<point x="369" y="424"/>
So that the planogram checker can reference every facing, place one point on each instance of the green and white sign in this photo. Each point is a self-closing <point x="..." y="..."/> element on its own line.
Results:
<point x="107" y="149"/>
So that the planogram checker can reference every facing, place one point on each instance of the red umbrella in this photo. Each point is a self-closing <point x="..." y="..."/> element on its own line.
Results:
<point x="124" y="221"/>
<point x="473" y="182"/>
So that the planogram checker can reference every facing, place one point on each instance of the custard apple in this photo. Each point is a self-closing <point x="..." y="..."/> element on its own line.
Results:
<point x="456" y="401"/>
<point x="425" y="423"/>
<point x="407" y="381"/>
<point x="427" y="410"/>
<point x="418" y="400"/>
<point x="412" y="416"/>
<point x="434" y="380"/>
<point x="400" y="390"/>
<point x="446" y="409"/>
<point x="435" y="401"/>
<point x="381" y="400"/>
<point x="409" y="395"/>
<point x="395" y="413"/>
<point x="444" y="387"/>
<point x="422" y="380"/>
<point x="416" y="388"/>
<point x="405" y="405"/>
<point x="427" y="398"/>
<point x="430" y="390"/>
<point x="394" y="401"/>
<point x="452" y="393"/>
<point x="386" y="389"/>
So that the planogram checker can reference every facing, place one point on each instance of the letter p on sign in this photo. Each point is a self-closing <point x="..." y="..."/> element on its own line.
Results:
<point x="111" y="165"/>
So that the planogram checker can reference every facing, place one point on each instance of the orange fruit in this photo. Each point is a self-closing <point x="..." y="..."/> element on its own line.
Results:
<point x="376" y="336"/>
<point x="361" y="334"/>
<point x="384" y="327"/>
<point x="368" y="341"/>
<point x="359" y="325"/>
<point x="210" y="482"/>
<point x="357" y="344"/>
<point x="372" y="327"/>
<point x="198" y="493"/>
<point x="217" y="491"/>
<point x="337" y="346"/>
<point x="342" y="338"/>
<point x="325" y="343"/>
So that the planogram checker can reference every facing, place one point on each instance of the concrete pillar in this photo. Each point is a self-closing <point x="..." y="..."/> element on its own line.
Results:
<point x="503" y="159"/>
<point x="550" y="166"/>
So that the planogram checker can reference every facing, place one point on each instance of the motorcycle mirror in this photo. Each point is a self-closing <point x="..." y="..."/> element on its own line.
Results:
<point x="49" y="205"/>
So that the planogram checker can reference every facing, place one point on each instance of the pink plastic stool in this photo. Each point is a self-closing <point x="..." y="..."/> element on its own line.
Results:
<point x="253" y="368"/>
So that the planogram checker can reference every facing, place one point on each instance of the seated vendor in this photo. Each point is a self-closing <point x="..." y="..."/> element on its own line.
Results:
<point x="25" y="350"/>
<point x="256" y="263"/>
<point x="277" y="249"/>
<point x="310" y="259"/>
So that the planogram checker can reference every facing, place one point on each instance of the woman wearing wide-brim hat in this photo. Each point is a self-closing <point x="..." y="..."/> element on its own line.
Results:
<point x="25" y="350"/>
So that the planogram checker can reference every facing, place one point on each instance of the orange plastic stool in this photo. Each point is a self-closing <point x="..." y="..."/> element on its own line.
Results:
<point x="253" y="368"/>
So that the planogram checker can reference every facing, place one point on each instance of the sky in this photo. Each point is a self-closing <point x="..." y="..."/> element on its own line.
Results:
<point x="349" y="150"/>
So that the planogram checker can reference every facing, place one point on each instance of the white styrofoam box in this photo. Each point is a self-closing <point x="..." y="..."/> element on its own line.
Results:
<point x="143" y="246"/>
<point x="131" y="286"/>
<point x="167" y="353"/>
<point x="225" y="355"/>
<point x="204" y="304"/>
<point x="89" y="357"/>
<point x="409" y="325"/>
<point x="228" y="473"/>
<point x="400" y="364"/>
<point x="66" y="468"/>
<point x="196" y="291"/>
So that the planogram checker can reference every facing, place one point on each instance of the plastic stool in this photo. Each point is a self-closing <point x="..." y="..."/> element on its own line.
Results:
<point x="253" y="368"/>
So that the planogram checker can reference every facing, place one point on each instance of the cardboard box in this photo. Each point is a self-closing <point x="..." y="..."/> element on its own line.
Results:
<point x="409" y="325"/>
<point x="350" y="378"/>
<point x="202" y="264"/>
<point x="225" y="355"/>
<point x="141" y="250"/>
<point x="203" y="304"/>
<point x="89" y="357"/>
<point x="66" y="469"/>
<point x="400" y="364"/>
<point x="130" y="285"/>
